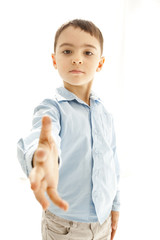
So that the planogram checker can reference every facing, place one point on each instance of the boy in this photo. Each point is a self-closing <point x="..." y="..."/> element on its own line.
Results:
<point x="70" y="154"/>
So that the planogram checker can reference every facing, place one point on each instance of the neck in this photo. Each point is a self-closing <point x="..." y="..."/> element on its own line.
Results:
<point x="82" y="91"/>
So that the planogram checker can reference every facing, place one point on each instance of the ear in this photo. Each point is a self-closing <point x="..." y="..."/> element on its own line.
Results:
<point x="54" y="60"/>
<point x="100" y="65"/>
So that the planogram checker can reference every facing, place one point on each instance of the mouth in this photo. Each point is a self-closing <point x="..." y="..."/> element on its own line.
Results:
<point x="76" y="71"/>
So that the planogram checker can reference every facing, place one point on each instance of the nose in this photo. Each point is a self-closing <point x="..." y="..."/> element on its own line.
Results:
<point x="77" y="61"/>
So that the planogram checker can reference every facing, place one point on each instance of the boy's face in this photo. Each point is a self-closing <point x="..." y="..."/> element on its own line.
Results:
<point x="77" y="56"/>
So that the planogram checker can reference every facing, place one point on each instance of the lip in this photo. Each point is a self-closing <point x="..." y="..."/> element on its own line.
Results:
<point x="75" y="71"/>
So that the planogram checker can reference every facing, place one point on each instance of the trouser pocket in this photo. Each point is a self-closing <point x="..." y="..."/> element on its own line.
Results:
<point x="54" y="228"/>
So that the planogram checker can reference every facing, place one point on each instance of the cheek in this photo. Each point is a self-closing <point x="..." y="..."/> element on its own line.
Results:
<point x="61" y="64"/>
<point x="93" y="66"/>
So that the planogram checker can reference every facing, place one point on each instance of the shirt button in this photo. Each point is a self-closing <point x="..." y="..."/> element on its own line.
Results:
<point x="95" y="132"/>
<point x="96" y="150"/>
<point x="96" y="172"/>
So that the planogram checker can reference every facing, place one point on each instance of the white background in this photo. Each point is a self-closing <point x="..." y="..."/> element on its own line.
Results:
<point x="128" y="84"/>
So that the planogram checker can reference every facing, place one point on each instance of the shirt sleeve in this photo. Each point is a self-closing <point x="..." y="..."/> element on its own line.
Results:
<point x="26" y="146"/>
<point x="116" y="201"/>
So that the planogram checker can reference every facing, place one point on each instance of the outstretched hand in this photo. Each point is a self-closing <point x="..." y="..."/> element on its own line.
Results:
<point x="45" y="173"/>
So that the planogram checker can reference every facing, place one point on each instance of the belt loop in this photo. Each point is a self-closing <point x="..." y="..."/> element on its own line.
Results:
<point x="73" y="224"/>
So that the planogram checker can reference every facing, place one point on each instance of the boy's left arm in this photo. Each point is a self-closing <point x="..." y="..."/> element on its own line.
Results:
<point x="116" y="201"/>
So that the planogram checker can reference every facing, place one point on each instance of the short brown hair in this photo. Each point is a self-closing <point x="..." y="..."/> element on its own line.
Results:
<point x="84" y="25"/>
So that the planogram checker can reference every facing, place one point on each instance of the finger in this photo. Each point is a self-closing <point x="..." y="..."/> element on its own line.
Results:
<point x="46" y="129"/>
<point x="36" y="176"/>
<point x="40" y="196"/>
<point x="40" y="155"/>
<point x="52" y="193"/>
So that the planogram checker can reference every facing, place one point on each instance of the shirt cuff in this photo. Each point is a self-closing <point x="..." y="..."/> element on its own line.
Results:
<point x="116" y="208"/>
<point x="116" y="202"/>
<point x="29" y="157"/>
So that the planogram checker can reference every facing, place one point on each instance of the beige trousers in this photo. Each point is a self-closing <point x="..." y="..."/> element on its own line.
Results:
<point x="56" y="228"/>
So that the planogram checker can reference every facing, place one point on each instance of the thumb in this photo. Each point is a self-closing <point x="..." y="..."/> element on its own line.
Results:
<point x="46" y="129"/>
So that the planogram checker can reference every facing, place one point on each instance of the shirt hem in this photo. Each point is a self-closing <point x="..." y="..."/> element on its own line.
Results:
<point x="76" y="219"/>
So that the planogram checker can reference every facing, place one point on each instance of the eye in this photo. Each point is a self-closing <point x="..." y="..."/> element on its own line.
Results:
<point x="88" y="53"/>
<point x="67" y="51"/>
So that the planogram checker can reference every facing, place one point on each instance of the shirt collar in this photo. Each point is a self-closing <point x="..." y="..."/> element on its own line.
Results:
<point x="62" y="94"/>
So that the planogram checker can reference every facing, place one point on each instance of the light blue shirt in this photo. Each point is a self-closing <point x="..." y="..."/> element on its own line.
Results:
<point x="89" y="169"/>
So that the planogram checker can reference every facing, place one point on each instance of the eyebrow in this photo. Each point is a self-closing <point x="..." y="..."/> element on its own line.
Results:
<point x="71" y="45"/>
